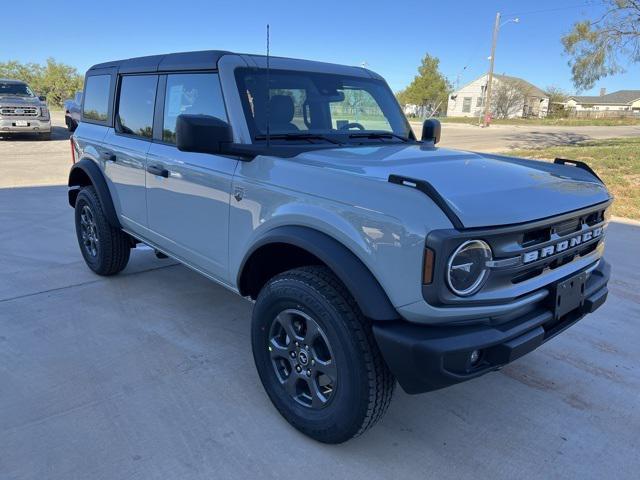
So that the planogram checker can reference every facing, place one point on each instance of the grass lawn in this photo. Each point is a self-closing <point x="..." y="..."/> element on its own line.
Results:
<point x="569" y="122"/>
<point x="616" y="161"/>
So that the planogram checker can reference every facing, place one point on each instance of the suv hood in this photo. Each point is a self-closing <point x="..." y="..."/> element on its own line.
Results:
<point x="482" y="189"/>
<point x="17" y="100"/>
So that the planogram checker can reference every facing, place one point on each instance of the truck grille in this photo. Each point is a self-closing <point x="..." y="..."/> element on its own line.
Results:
<point x="19" y="111"/>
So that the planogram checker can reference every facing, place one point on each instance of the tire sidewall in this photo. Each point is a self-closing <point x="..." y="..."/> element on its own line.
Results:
<point x="347" y="407"/>
<point x="87" y="197"/>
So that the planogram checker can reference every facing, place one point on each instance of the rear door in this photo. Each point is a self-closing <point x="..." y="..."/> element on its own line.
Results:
<point x="188" y="204"/>
<point x="128" y="143"/>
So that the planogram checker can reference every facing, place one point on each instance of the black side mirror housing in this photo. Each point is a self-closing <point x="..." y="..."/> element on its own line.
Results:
<point x="202" y="134"/>
<point x="42" y="98"/>
<point x="431" y="130"/>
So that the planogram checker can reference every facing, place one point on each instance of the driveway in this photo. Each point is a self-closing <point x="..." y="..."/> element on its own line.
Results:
<point x="498" y="138"/>
<point x="149" y="374"/>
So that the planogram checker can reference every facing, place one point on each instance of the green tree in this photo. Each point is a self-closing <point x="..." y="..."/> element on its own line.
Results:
<point x="598" y="47"/>
<point x="429" y="87"/>
<point x="55" y="80"/>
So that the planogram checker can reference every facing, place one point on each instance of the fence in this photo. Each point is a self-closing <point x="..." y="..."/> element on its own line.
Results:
<point x="603" y="114"/>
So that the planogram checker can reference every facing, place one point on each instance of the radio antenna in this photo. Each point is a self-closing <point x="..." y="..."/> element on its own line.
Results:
<point x="268" y="102"/>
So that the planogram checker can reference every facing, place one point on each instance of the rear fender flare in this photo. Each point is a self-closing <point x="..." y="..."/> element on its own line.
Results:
<point x="88" y="169"/>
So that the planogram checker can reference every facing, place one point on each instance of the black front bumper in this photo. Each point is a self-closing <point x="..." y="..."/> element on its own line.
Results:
<point x="425" y="358"/>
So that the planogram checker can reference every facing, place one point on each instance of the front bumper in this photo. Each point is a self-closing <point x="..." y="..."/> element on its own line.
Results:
<point x="425" y="358"/>
<point x="34" y="125"/>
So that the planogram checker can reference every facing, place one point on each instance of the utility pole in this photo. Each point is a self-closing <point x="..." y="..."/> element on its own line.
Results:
<point x="487" y="103"/>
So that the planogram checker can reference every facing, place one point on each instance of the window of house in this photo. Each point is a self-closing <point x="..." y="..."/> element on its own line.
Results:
<point x="192" y="94"/>
<point x="466" y="105"/>
<point x="136" y="105"/>
<point x="96" y="99"/>
<point x="479" y="102"/>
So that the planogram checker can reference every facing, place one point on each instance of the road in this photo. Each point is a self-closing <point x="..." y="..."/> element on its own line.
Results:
<point x="149" y="374"/>
<point x="498" y="138"/>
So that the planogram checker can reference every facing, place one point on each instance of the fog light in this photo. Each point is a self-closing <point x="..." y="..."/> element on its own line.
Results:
<point x="474" y="357"/>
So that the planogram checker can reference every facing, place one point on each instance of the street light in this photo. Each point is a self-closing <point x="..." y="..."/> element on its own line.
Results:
<point x="496" y="28"/>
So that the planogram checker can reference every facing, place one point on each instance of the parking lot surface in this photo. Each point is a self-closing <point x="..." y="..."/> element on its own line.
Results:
<point x="149" y="375"/>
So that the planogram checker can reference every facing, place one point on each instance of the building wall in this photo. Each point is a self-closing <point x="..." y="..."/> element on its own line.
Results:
<point x="474" y="91"/>
<point x="593" y="107"/>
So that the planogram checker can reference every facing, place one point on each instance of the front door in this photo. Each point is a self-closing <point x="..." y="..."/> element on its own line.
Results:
<point x="188" y="194"/>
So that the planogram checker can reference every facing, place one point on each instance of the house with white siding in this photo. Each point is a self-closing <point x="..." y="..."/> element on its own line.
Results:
<point x="468" y="101"/>
<point x="620" y="101"/>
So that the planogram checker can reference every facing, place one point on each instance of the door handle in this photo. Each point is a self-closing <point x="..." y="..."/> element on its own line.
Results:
<point x="109" y="156"/>
<point x="158" y="170"/>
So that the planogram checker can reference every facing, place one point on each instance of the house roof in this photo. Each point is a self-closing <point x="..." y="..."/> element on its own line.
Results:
<point x="533" y="90"/>
<point x="621" y="97"/>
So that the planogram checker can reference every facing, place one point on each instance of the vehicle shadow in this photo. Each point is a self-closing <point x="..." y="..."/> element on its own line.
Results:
<point x="539" y="139"/>
<point x="57" y="133"/>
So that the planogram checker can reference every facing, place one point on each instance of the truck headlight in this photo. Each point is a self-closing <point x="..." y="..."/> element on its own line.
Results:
<point x="467" y="269"/>
<point x="44" y="112"/>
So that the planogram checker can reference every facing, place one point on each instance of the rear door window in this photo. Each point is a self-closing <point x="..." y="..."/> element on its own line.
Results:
<point x="193" y="94"/>
<point x="136" y="105"/>
<point x="96" y="99"/>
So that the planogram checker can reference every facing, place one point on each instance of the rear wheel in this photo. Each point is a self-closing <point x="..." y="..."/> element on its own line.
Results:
<point x="316" y="356"/>
<point x="105" y="249"/>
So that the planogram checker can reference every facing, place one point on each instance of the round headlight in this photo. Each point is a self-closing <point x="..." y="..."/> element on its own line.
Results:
<point x="467" y="268"/>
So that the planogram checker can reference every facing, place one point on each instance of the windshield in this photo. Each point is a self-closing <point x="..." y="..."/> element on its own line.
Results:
<point x="19" y="89"/>
<point x="337" y="108"/>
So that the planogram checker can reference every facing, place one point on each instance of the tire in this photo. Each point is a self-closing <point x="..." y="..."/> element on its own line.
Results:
<point x="105" y="249"/>
<point x="344" y="386"/>
<point x="71" y="124"/>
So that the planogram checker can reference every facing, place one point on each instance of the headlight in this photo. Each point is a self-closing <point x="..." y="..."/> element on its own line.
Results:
<point x="467" y="268"/>
<point x="44" y="112"/>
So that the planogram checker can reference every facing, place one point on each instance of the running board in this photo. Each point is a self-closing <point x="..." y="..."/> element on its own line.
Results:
<point x="429" y="190"/>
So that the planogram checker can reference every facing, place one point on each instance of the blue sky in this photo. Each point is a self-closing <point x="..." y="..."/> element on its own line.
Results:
<point x="390" y="36"/>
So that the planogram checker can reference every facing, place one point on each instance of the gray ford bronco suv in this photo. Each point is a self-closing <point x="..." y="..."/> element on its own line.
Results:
<point x="371" y="256"/>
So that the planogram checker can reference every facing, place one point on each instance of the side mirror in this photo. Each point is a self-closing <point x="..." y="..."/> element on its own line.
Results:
<point x="431" y="130"/>
<point x="202" y="134"/>
<point x="42" y="98"/>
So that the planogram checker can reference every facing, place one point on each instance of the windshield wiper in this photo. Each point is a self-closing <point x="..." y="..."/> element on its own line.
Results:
<point x="374" y="135"/>
<point x="297" y="136"/>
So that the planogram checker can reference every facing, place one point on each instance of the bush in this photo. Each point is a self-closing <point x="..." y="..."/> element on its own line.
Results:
<point x="55" y="80"/>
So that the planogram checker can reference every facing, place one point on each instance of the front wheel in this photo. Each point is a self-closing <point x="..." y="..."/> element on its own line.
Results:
<point x="316" y="356"/>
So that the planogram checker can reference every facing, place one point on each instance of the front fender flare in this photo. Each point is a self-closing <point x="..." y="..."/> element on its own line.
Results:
<point x="84" y="169"/>
<point x="365" y="288"/>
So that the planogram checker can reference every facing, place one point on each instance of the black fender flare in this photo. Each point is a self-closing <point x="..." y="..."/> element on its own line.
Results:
<point x="88" y="168"/>
<point x="365" y="288"/>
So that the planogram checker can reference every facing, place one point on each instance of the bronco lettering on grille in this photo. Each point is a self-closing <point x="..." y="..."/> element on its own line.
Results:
<point x="561" y="246"/>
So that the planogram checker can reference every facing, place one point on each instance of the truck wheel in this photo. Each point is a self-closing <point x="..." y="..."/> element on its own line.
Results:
<point x="105" y="249"/>
<point x="316" y="356"/>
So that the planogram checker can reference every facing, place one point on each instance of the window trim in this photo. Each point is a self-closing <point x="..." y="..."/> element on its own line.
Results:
<point x="111" y="72"/>
<point x="470" y="103"/>
<point x="161" y="94"/>
<point x="116" y="109"/>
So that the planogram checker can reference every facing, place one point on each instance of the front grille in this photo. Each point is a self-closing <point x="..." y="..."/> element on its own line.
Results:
<point x="574" y="225"/>
<point x="19" y="111"/>
<point x="556" y="232"/>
